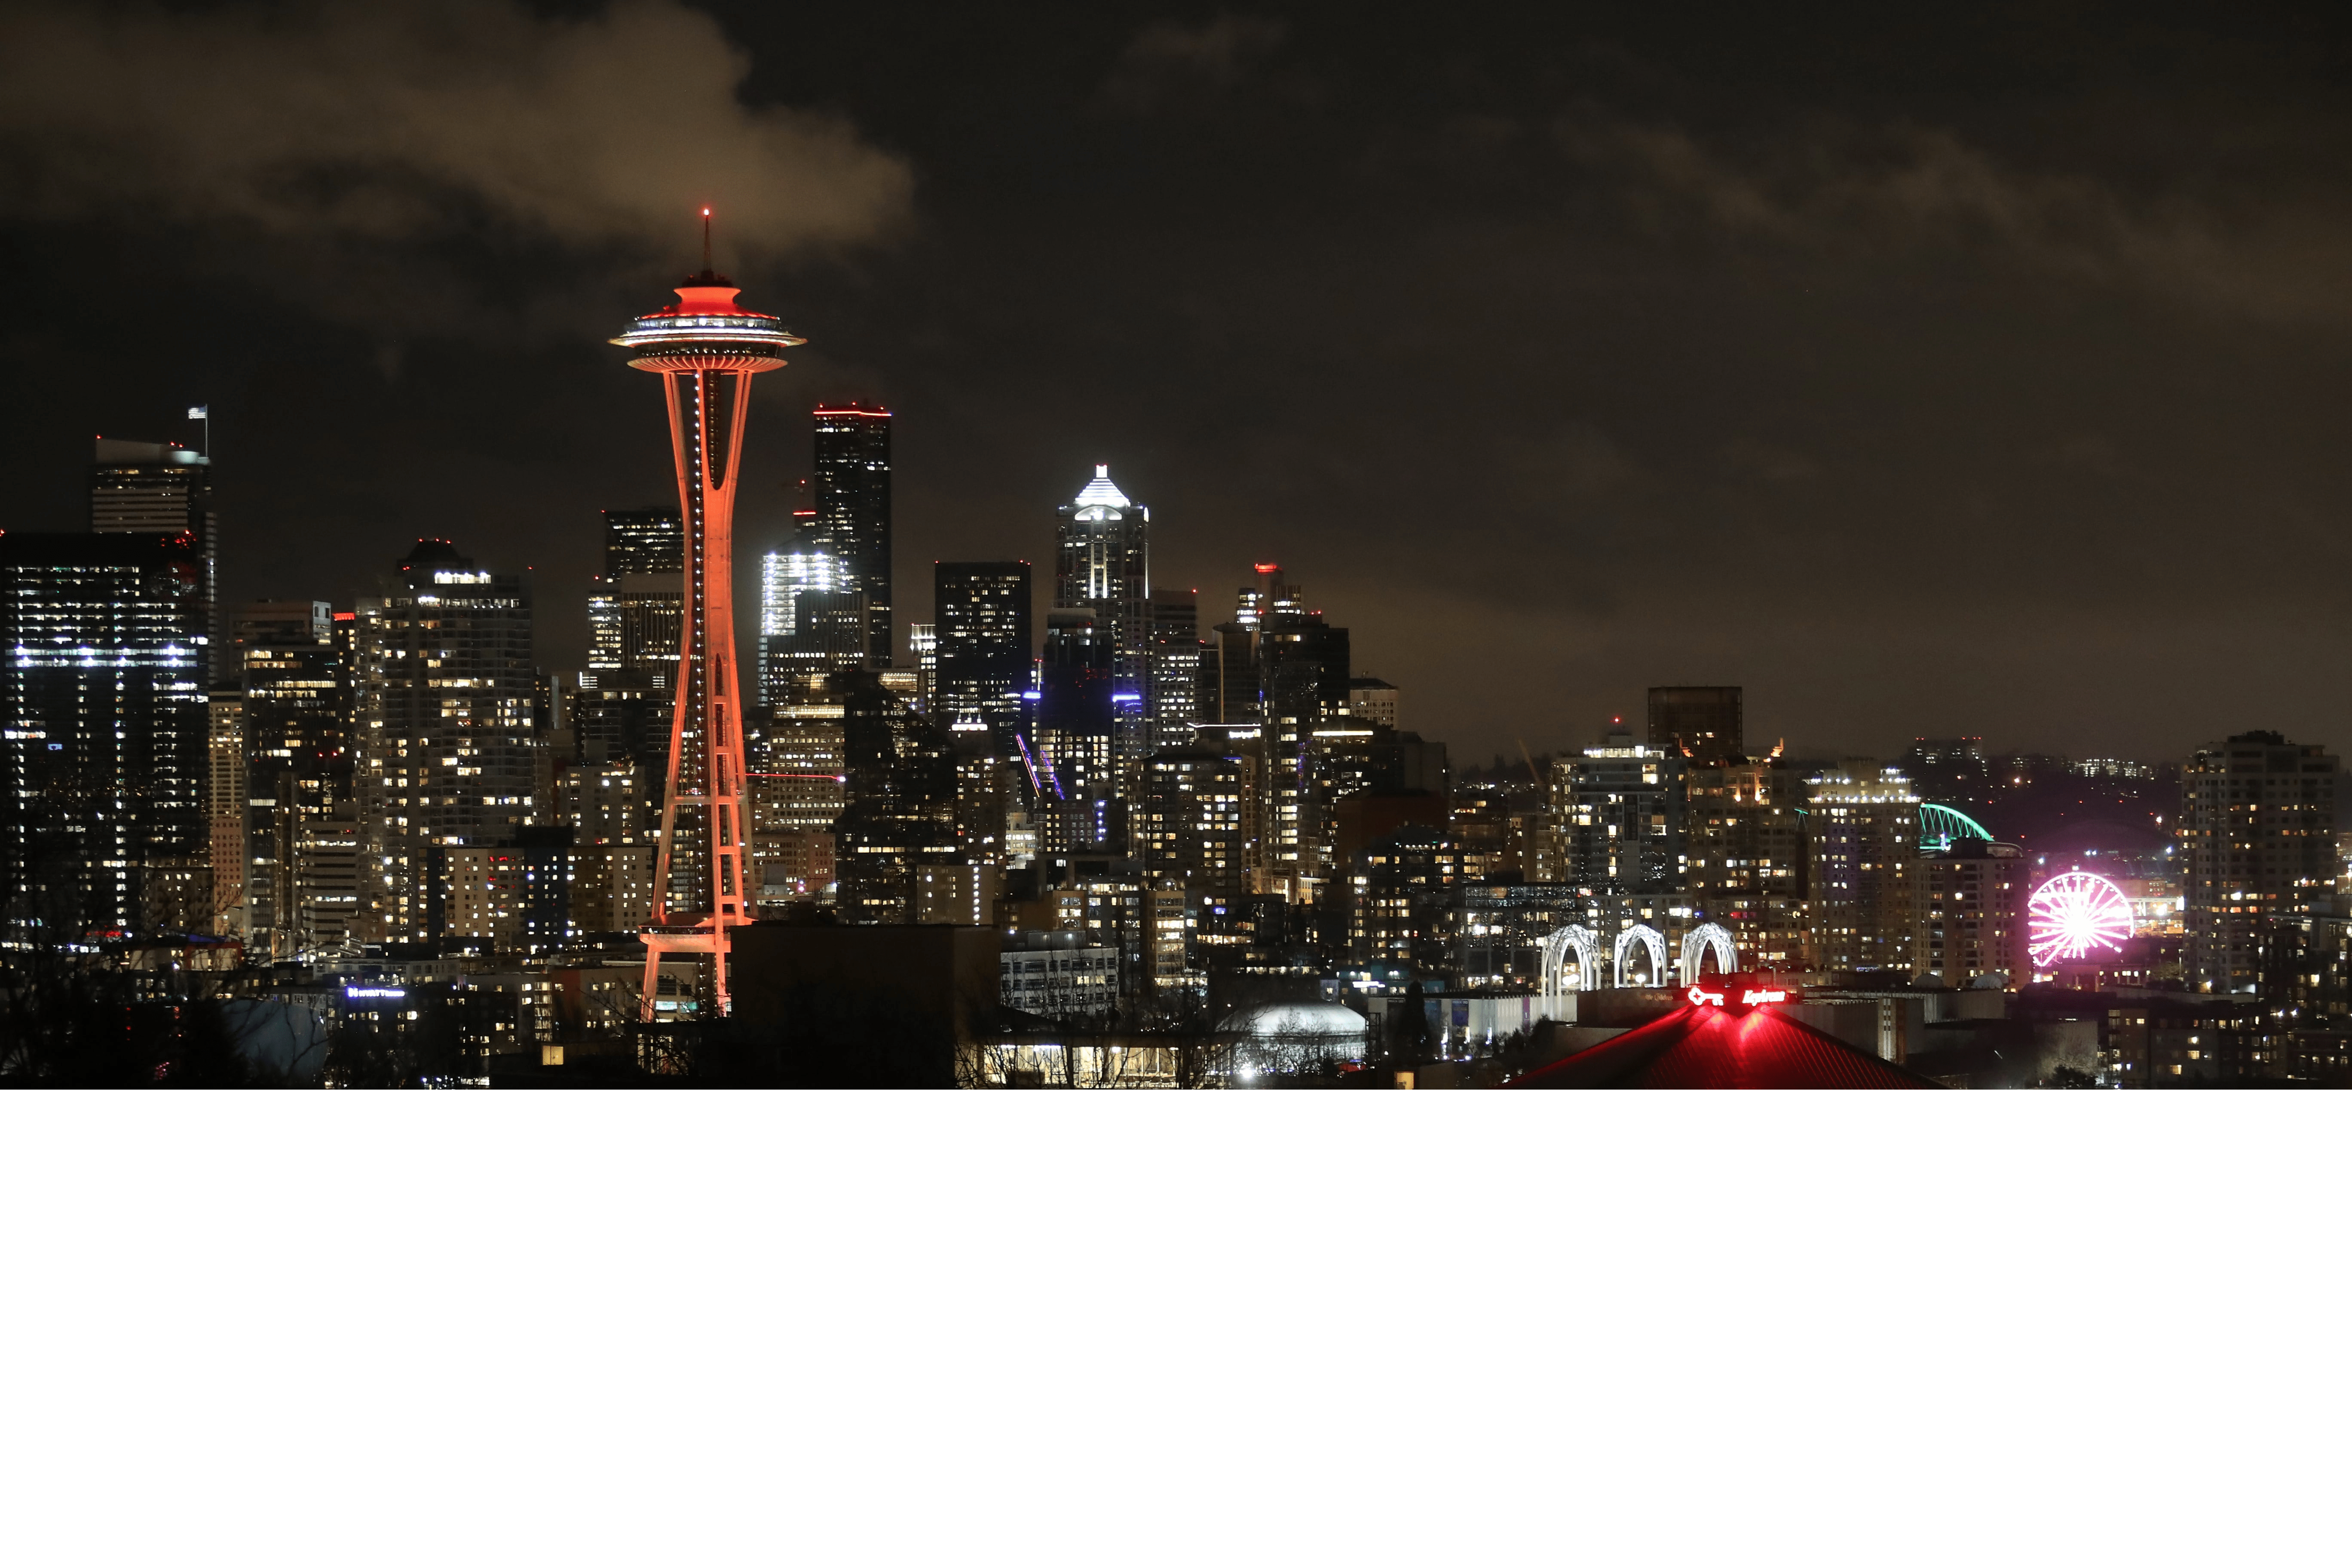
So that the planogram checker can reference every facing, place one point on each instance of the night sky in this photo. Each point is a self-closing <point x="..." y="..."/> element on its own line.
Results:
<point x="1981" y="373"/>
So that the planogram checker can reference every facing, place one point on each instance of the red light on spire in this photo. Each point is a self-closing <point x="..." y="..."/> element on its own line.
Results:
<point x="1267" y="568"/>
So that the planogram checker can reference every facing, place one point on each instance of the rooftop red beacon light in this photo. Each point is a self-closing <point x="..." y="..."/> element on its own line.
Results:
<point x="706" y="348"/>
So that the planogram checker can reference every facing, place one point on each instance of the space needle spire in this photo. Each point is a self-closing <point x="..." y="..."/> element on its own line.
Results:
<point x="706" y="348"/>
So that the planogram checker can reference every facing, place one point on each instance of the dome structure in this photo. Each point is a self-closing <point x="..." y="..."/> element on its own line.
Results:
<point x="1321" y="1021"/>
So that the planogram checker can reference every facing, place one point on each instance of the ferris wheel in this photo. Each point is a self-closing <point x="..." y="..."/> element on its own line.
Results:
<point x="2076" y="914"/>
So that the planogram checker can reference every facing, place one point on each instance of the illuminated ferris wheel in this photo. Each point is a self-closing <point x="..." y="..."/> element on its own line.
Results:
<point x="2076" y="915"/>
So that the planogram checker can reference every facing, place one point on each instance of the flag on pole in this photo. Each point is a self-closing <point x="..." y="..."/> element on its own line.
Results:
<point x="202" y="411"/>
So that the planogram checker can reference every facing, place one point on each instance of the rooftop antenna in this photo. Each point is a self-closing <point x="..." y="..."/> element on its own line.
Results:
<point x="705" y="242"/>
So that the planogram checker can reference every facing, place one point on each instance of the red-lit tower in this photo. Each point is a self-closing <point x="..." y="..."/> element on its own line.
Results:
<point x="706" y="348"/>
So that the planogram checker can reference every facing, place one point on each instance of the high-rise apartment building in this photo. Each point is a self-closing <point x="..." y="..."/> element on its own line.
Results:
<point x="445" y="689"/>
<point x="981" y="632"/>
<point x="853" y="513"/>
<point x="1620" y="810"/>
<point x="520" y="895"/>
<point x="105" y="732"/>
<point x="1190" y="822"/>
<point x="1968" y="917"/>
<point x="1861" y="846"/>
<point x="159" y="489"/>
<point x="900" y="815"/>
<point x="2257" y="830"/>
<point x="1744" y="857"/>
<point x="296" y="693"/>
<point x="1705" y="724"/>
<point x="1396" y="888"/>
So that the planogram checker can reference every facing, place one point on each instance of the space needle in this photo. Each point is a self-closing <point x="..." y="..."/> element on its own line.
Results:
<point x="706" y="348"/>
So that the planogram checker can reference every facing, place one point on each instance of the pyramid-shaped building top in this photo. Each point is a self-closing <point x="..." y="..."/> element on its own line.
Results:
<point x="1703" y="1046"/>
<point x="1101" y="492"/>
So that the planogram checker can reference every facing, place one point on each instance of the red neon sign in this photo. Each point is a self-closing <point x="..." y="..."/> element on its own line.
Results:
<point x="1736" y="993"/>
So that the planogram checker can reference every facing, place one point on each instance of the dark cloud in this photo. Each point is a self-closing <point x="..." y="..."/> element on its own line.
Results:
<point x="1921" y="188"/>
<point x="373" y="129"/>
<point x="1170" y="61"/>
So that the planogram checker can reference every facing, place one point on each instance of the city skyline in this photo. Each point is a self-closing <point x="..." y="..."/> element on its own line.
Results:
<point x="568" y="620"/>
<point x="1949" y="322"/>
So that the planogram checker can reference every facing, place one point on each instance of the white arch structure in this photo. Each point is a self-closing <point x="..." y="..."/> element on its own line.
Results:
<point x="1654" y="944"/>
<point x="1702" y="940"/>
<point x="1556" y="949"/>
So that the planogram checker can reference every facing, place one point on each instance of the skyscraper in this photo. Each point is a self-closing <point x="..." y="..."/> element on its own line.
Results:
<point x="810" y="623"/>
<point x="622" y="710"/>
<point x="706" y="348"/>
<point x="637" y="600"/>
<point x="2258" y="826"/>
<point x="853" y="511"/>
<point x="1302" y="680"/>
<point x="1072" y="734"/>
<point x="103" y="711"/>
<point x="445" y="687"/>
<point x="643" y="542"/>
<point x="1229" y="677"/>
<point x="226" y="808"/>
<point x="1172" y="667"/>
<point x="296" y="694"/>
<point x="1102" y="563"/>
<point x="980" y="620"/>
<point x="156" y="487"/>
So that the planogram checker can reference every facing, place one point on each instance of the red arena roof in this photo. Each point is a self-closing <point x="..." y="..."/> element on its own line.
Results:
<point x="1710" y="1047"/>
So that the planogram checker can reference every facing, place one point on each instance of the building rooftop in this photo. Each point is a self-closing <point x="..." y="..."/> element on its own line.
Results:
<point x="1716" y="1048"/>
<point x="1101" y="492"/>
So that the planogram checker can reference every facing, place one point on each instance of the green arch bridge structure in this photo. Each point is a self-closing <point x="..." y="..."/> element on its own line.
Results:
<point x="1941" y="826"/>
